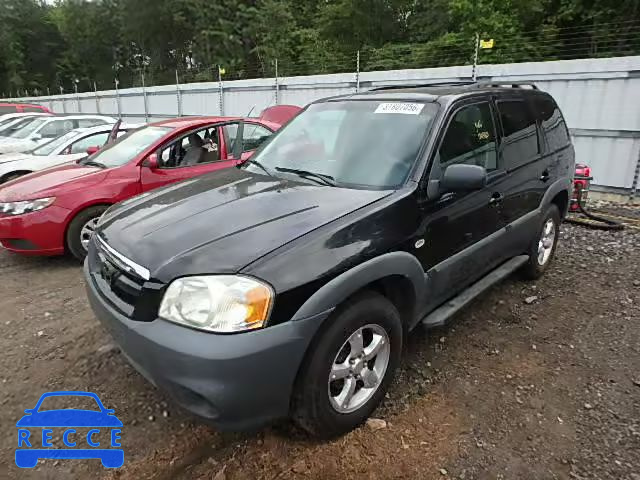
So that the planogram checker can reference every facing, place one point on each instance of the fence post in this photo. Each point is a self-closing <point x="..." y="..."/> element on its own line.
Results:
<point x="64" y="101"/>
<point x="75" y="86"/>
<point x="636" y="178"/>
<point x="475" y="58"/>
<point x="220" y="92"/>
<point x="95" y="91"/>
<point x="117" y="82"/>
<point x="144" y="97"/>
<point x="358" y="71"/>
<point x="277" y="84"/>
<point x="178" y="94"/>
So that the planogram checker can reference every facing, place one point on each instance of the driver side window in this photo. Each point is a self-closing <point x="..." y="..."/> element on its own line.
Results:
<point x="198" y="147"/>
<point x="56" y="128"/>
<point x="470" y="138"/>
<point x="96" y="140"/>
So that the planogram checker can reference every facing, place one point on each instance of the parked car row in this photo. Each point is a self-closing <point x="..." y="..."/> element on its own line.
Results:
<point x="282" y="275"/>
<point x="64" y="203"/>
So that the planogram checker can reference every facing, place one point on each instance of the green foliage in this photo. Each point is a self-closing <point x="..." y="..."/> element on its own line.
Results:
<point x="47" y="44"/>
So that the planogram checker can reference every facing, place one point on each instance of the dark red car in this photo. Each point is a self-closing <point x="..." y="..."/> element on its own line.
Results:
<point x="56" y="210"/>
<point x="22" y="108"/>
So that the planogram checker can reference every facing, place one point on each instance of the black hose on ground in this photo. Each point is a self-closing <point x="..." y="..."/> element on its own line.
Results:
<point x="603" y="223"/>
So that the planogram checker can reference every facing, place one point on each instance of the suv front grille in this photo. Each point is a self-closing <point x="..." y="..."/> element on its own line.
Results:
<point x="123" y="284"/>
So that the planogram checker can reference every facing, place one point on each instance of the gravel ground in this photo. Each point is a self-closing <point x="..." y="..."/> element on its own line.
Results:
<point x="532" y="381"/>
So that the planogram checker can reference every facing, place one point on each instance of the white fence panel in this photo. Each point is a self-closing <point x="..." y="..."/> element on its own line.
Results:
<point x="599" y="98"/>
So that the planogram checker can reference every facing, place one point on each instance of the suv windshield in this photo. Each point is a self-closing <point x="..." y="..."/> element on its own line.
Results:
<point x="355" y="144"/>
<point x="29" y="128"/>
<point x="125" y="148"/>
<point x="49" y="147"/>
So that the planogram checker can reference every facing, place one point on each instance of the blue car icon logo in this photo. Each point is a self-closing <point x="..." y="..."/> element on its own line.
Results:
<point x="35" y="433"/>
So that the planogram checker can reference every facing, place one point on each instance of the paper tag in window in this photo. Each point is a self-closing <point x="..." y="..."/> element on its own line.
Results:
<point x="403" y="108"/>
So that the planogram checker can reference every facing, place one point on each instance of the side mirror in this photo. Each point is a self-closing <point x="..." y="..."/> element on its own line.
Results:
<point x="29" y="410"/>
<point x="92" y="150"/>
<point x="463" y="177"/>
<point x="151" y="162"/>
<point x="36" y="137"/>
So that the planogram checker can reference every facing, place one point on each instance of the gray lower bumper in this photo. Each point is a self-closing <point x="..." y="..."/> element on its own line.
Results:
<point x="236" y="382"/>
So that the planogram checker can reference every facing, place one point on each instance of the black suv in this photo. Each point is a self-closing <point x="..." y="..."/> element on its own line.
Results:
<point x="286" y="286"/>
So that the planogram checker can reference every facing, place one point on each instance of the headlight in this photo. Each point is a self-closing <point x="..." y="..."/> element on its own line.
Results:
<point x="27" y="206"/>
<point x="217" y="303"/>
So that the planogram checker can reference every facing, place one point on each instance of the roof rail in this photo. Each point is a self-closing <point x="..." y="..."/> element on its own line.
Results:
<point x="419" y="85"/>
<point x="497" y="84"/>
<point x="461" y="83"/>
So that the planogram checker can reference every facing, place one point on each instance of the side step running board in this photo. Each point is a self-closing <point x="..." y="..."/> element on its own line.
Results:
<point x="440" y="315"/>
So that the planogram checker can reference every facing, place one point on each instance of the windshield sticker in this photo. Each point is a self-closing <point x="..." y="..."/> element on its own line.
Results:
<point x="403" y="108"/>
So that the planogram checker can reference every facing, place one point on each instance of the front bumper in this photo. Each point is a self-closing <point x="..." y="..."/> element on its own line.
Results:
<point x="36" y="233"/>
<point x="237" y="382"/>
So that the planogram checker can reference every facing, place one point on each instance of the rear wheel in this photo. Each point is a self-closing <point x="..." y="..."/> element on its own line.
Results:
<point x="543" y="246"/>
<point x="81" y="230"/>
<point x="350" y="367"/>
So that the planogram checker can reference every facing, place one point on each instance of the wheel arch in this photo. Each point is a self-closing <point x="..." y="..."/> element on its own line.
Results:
<point x="399" y="276"/>
<point x="558" y="194"/>
<point x="6" y="176"/>
<point x="75" y="213"/>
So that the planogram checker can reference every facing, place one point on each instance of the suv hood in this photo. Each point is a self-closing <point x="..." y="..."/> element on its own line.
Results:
<point x="221" y="222"/>
<point x="50" y="182"/>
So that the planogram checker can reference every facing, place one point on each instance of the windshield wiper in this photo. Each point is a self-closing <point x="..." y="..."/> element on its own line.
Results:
<point x="91" y="163"/>
<point x="319" y="177"/>
<point x="257" y="164"/>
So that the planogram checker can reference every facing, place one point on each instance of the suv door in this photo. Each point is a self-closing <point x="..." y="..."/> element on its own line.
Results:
<point x="463" y="230"/>
<point x="177" y="160"/>
<point x="528" y="170"/>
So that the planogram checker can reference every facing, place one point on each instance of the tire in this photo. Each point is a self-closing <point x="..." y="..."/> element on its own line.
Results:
<point x="76" y="236"/>
<point x="538" y="263"/>
<point x="317" y="398"/>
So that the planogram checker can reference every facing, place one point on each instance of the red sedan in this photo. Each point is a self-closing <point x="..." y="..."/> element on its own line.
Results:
<point x="56" y="210"/>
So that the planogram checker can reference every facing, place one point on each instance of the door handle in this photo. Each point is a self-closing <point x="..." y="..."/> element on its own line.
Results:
<point x="496" y="198"/>
<point x="545" y="176"/>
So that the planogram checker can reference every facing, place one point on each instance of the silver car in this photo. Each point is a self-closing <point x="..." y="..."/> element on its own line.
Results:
<point x="45" y="129"/>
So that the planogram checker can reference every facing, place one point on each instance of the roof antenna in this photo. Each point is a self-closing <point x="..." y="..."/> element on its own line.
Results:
<point x="250" y="111"/>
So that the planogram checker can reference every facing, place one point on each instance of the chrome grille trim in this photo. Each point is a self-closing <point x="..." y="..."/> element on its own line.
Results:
<point x="123" y="261"/>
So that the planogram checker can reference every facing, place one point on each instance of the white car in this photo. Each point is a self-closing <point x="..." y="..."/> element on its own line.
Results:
<point x="45" y="129"/>
<point x="72" y="146"/>
<point x="13" y="121"/>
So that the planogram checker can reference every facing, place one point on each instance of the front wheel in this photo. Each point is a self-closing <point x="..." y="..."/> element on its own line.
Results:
<point x="81" y="230"/>
<point x="350" y="367"/>
<point x="543" y="246"/>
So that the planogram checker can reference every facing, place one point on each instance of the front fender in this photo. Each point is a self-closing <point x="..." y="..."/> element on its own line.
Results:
<point x="346" y="284"/>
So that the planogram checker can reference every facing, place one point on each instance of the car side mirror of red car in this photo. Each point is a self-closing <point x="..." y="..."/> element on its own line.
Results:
<point x="151" y="162"/>
<point x="92" y="150"/>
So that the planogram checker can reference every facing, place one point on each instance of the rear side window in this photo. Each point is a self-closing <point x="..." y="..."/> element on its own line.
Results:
<point x="470" y="138"/>
<point x="8" y="109"/>
<point x="552" y="123"/>
<point x="520" y="143"/>
<point x="90" y="122"/>
<point x="33" y="109"/>
<point x="56" y="128"/>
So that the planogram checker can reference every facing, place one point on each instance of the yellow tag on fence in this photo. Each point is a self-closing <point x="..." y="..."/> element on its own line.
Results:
<point x="486" y="44"/>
